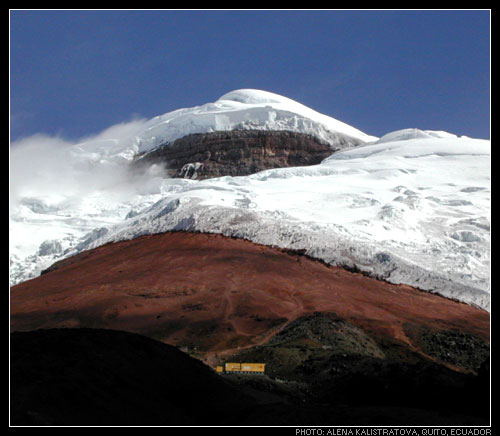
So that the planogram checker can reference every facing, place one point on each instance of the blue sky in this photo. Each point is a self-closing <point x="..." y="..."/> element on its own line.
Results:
<point x="75" y="73"/>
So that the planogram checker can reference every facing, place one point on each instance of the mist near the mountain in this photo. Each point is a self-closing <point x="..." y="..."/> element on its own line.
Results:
<point x="54" y="170"/>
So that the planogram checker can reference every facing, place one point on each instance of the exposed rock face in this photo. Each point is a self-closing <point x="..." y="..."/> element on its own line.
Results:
<point x="240" y="153"/>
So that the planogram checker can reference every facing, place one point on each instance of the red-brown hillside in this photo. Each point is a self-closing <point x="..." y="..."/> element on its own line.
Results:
<point x="218" y="294"/>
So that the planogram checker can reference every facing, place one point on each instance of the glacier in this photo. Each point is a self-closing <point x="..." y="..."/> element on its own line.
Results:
<point x="411" y="207"/>
<point x="244" y="109"/>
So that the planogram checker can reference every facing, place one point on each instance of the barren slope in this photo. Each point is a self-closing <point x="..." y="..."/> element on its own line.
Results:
<point x="213" y="294"/>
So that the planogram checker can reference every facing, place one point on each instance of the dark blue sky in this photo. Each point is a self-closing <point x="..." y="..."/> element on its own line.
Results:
<point x="75" y="73"/>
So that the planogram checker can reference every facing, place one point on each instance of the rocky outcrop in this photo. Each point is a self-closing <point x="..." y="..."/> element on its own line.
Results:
<point x="239" y="153"/>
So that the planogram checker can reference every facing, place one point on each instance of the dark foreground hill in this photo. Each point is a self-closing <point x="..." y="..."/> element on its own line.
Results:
<point x="104" y="377"/>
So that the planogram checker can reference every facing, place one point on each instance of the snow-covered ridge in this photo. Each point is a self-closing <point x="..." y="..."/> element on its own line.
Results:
<point x="404" y="134"/>
<point x="245" y="109"/>
<point x="414" y="210"/>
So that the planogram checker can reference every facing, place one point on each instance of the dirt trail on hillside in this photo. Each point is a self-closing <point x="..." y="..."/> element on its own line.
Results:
<point x="217" y="295"/>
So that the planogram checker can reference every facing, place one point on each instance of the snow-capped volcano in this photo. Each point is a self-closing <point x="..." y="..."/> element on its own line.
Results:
<point x="245" y="109"/>
<point x="411" y="207"/>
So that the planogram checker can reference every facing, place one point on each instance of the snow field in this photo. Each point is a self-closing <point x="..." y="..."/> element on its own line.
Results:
<point x="411" y="207"/>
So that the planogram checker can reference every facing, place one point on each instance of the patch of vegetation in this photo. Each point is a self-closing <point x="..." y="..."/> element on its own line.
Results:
<point x="454" y="347"/>
<point x="313" y="347"/>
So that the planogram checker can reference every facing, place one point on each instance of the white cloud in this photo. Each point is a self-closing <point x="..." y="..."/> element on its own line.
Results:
<point x="55" y="169"/>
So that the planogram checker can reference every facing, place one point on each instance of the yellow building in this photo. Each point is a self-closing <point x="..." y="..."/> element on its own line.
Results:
<point x="245" y="368"/>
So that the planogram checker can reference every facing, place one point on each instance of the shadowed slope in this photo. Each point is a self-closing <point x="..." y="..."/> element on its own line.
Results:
<point x="106" y="377"/>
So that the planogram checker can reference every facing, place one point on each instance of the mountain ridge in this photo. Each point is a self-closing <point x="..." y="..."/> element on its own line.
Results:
<point x="411" y="207"/>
